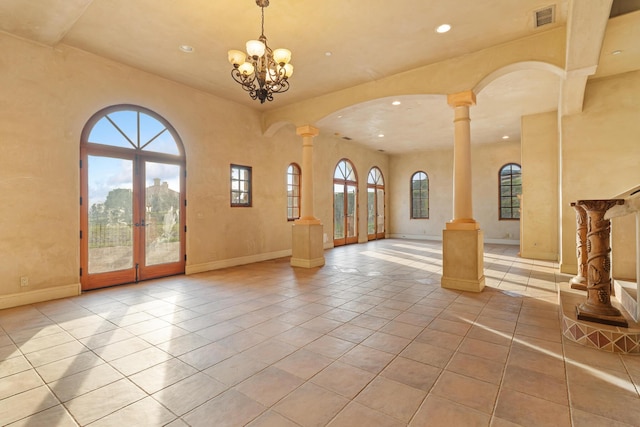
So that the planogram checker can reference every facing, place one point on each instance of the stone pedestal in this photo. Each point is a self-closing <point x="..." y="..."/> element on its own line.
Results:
<point x="463" y="259"/>
<point x="580" y="280"/>
<point x="307" y="245"/>
<point x="598" y="306"/>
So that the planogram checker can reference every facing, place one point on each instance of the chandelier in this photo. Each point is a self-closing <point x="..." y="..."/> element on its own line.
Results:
<point x="261" y="71"/>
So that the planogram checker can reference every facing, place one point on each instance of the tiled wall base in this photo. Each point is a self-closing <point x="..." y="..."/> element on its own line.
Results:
<point x="604" y="337"/>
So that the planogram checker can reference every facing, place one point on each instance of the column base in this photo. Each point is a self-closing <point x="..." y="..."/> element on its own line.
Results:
<point x="613" y="316"/>
<point x="307" y="249"/>
<point x="462" y="284"/>
<point x="463" y="259"/>
<point x="579" y="282"/>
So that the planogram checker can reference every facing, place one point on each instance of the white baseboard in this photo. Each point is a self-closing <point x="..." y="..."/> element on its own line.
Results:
<point x="232" y="262"/>
<point x="439" y="239"/>
<point x="503" y="242"/>
<point x="40" y="295"/>
<point x="415" y="237"/>
<point x="547" y="256"/>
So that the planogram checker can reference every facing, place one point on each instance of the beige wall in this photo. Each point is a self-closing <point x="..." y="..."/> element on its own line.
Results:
<point x="600" y="151"/>
<point x="48" y="95"/>
<point x="539" y="216"/>
<point x="623" y="247"/>
<point x="438" y="164"/>
<point x="328" y="151"/>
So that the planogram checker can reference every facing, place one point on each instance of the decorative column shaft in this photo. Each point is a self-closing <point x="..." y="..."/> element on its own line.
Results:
<point x="462" y="199"/>
<point x="580" y="280"/>
<point x="598" y="306"/>
<point x="307" y="133"/>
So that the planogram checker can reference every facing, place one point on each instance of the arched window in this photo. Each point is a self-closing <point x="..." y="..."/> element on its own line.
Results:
<point x="132" y="197"/>
<point x="510" y="188"/>
<point x="345" y="202"/>
<point x="134" y="128"/>
<point x="375" y="204"/>
<point x="293" y="192"/>
<point x="420" y="195"/>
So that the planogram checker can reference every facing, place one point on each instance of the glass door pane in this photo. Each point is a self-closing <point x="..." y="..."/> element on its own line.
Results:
<point x="110" y="214"/>
<point x="338" y="211"/>
<point x="371" y="211"/>
<point x="351" y="211"/>
<point x="161" y="213"/>
<point x="380" y="211"/>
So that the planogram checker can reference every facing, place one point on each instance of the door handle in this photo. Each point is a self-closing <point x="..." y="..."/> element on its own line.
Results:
<point x="140" y="224"/>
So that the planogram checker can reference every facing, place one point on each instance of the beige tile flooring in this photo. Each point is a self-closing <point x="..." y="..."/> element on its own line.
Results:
<point x="370" y="339"/>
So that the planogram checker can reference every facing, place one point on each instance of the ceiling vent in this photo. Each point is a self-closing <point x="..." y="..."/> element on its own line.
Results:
<point x="545" y="16"/>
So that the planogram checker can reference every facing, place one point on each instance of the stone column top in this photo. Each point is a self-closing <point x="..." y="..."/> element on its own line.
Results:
<point x="600" y="204"/>
<point x="460" y="99"/>
<point x="307" y="130"/>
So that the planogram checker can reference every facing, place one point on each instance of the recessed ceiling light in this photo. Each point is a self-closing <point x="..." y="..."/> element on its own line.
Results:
<point x="505" y="137"/>
<point x="186" y="48"/>
<point x="381" y="135"/>
<point x="443" y="28"/>
<point x="396" y="103"/>
<point x="616" y="52"/>
<point x="327" y="53"/>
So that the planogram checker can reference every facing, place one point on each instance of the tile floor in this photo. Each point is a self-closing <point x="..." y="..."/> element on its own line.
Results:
<point x="370" y="339"/>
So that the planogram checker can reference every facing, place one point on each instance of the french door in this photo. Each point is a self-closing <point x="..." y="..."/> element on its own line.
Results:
<point x="375" y="204"/>
<point x="345" y="197"/>
<point x="132" y="209"/>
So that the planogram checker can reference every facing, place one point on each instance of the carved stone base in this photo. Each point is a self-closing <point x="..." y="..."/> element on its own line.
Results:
<point x="612" y="317"/>
<point x="597" y="308"/>
<point x="579" y="283"/>
<point x="463" y="260"/>
<point x="307" y="249"/>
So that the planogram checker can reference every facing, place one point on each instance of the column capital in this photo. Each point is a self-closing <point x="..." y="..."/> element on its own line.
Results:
<point x="460" y="99"/>
<point x="307" y="130"/>
<point x="599" y="205"/>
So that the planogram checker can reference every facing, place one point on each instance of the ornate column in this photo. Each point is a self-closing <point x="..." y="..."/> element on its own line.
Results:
<point x="580" y="280"/>
<point x="307" y="248"/>
<point x="462" y="239"/>
<point x="598" y="306"/>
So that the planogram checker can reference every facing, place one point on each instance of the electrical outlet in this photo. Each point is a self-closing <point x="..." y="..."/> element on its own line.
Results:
<point x="24" y="281"/>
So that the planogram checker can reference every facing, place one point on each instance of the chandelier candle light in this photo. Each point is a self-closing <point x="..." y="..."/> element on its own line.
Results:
<point x="261" y="71"/>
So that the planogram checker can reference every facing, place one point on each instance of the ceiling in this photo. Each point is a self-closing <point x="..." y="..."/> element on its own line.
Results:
<point x="335" y="44"/>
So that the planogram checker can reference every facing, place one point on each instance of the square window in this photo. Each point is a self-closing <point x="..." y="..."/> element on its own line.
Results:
<point x="240" y="186"/>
